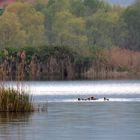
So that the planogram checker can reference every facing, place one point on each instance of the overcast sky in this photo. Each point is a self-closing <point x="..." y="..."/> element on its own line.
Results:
<point x="121" y="2"/>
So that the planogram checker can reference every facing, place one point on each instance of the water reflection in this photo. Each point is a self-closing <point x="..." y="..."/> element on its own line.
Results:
<point x="7" y="117"/>
<point x="13" y="125"/>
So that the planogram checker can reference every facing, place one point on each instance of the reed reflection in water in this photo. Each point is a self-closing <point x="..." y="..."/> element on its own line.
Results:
<point x="13" y="125"/>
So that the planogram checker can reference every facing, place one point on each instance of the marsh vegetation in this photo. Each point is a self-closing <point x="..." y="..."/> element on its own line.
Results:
<point x="12" y="100"/>
<point x="69" y="40"/>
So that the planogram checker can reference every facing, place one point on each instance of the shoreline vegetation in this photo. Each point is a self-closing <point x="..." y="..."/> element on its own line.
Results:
<point x="69" y="40"/>
<point x="64" y="63"/>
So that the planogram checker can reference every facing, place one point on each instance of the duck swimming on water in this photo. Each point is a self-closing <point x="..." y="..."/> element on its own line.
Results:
<point x="106" y="99"/>
<point x="87" y="99"/>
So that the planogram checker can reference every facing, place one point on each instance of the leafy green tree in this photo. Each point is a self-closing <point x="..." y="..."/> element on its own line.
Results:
<point x="69" y="30"/>
<point x="98" y="30"/>
<point x="92" y="6"/>
<point x="105" y="29"/>
<point x="32" y="22"/>
<point x="87" y="7"/>
<point x="11" y="34"/>
<point x="53" y="7"/>
<point x="77" y="8"/>
<point x="119" y="29"/>
<point x="132" y="17"/>
<point x="40" y="5"/>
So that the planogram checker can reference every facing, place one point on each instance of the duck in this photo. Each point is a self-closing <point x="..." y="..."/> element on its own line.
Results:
<point x="106" y="99"/>
<point x="89" y="98"/>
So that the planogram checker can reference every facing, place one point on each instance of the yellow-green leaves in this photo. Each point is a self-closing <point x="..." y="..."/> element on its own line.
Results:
<point x="11" y="34"/>
<point x="28" y="21"/>
<point x="69" y="29"/>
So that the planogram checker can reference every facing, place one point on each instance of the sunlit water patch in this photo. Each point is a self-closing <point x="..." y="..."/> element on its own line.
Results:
<point x="70" y="91"/>
<point x="85" y="87"/>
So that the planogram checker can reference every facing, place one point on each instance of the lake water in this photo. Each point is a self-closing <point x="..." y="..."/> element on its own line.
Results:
<point x="69" y="119"/>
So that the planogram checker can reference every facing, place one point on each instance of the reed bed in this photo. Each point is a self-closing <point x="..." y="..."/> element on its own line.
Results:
<point x="12" y="100"/>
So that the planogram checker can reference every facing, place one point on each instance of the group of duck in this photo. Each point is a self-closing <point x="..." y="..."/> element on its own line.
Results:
<point x="92" y="98"/>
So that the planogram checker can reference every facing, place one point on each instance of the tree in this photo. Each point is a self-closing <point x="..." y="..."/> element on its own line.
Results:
<point x="32" y="22"/>
<point x="11" y="34"/>
<point x="40" y="5"/>
<point x="120" y="29"/>
<point x="77" y="8"/>
<point x="105" y="29"/>
<point x="53" y="7"/>
<point x="69" y="30"/>
<point x="86" y="8"/>
<point x="132" y="17"/>
<point x="98" y="30"/>
<point x="92" y="6"/>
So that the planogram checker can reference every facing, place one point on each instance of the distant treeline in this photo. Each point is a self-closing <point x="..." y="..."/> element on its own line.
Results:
<point x="70" y="23"/>
<point x="69" y="39"/>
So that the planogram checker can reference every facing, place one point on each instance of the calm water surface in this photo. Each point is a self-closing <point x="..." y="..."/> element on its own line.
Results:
<point x="68" y="119"/>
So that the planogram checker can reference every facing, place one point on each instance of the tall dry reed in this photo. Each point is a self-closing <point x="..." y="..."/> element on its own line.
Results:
<point x="11" y="99"/>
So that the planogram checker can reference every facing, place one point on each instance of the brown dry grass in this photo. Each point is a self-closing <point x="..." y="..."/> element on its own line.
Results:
<point x="118" y="64"/>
